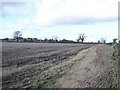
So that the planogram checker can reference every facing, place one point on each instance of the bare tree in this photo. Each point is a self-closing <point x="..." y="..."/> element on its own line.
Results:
<point x="55" y="38"/>
<point x="81" y="37"/>
<point x="17" y="35"/>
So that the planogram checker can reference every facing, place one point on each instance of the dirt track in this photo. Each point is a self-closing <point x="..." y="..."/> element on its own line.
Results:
<point x="90" y="70"/>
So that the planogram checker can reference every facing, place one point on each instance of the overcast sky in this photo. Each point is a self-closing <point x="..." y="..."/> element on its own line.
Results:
<point x="63" y="18"/>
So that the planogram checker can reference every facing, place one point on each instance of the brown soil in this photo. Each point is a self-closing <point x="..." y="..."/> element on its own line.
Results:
<point x="90" y="70"/>
<point x="56" y="65"/>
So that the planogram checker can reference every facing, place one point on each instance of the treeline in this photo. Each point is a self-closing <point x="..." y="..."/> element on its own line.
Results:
<point x="17" y="37"/>
<point x="36" y="40"/>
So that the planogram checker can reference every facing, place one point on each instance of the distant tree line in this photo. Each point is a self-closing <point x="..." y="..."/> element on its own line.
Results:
<point x="36" y="40"/>
<point x="17" y="37"/>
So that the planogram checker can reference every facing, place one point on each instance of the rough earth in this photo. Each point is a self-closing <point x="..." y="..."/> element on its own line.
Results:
<point x="57" y="66"/>
<point x="92" y="69"/>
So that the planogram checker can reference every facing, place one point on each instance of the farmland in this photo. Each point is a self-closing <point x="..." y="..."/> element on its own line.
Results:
<point x="39" y="65"/>
<point x="24" y="62"/>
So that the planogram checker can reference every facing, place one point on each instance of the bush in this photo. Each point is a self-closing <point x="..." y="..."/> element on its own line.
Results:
<point x="115" y="66"/>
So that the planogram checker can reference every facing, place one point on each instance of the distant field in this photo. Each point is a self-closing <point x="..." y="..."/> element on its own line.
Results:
<point x="29" y="64"/>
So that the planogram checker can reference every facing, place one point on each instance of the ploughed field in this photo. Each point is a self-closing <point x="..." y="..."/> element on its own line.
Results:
<point x="33" y="65"/>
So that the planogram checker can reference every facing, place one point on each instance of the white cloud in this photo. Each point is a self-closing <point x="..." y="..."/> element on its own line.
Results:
<point x="75" y="11"/>
<point x="48" y="11"/>
<point x="51" y="12"/>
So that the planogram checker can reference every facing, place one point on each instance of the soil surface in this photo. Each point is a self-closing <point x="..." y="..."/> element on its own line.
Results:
<point x="92" y="69"/>
<point x="31" y="64"/>
<point x="34" y="65"/>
